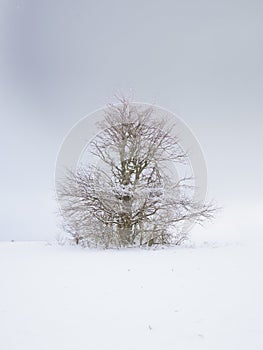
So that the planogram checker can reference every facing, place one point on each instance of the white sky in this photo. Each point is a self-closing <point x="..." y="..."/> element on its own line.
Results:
<point x="60" y="60"/>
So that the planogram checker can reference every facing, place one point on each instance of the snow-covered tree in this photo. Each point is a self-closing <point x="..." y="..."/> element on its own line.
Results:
<point x="129" y="197"/>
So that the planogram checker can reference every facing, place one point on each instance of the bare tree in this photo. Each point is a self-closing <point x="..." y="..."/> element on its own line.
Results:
<point x="129" y="197"/>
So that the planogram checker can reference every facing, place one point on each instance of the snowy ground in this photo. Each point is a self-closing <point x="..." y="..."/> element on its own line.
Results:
<point x="208" y="296"/>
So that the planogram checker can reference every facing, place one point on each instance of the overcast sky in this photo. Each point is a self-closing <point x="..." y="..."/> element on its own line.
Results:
<point x="60" y="60"/>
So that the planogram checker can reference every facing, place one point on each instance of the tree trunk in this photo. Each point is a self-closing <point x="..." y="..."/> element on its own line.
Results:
<point x="125" y="234"/>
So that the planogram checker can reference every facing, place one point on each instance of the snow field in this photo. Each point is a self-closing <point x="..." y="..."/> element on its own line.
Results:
<point x="62" y="297"/>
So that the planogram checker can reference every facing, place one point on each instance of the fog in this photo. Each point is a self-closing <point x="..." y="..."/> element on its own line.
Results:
<point x="61" y="60"/>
